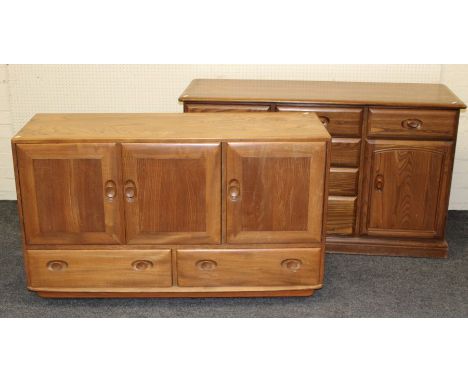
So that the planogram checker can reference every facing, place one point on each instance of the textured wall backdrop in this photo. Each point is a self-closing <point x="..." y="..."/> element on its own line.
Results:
<point x="29" y="89"/>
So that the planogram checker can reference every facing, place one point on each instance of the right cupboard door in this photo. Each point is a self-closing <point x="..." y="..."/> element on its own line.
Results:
<point x="274" y="192"/>
<point x="406" y="188"/>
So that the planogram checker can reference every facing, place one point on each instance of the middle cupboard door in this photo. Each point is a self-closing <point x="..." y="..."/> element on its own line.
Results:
<point x="172" y="193"/>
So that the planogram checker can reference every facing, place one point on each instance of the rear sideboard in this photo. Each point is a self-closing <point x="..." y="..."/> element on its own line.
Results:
<point x="392" y="154"/>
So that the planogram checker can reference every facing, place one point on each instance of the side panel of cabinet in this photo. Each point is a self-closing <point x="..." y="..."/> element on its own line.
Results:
<point x="406" y="188"/>
<point x="275" y="192"/>
<point x="71" y="193"/>
<point x="172" y="193"/>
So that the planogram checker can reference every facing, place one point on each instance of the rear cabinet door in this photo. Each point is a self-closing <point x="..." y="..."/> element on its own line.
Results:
<point x="71" y="193"/>
<point x="172" y="193"/>
<point x="274" y="192"/>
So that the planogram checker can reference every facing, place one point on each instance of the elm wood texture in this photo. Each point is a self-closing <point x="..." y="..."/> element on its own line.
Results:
<point x="244" y="267"/>
<point x="279" y="192"/>
<point x="176" y="193"/>
<point x="405" y="188"/>
<point x="65" y="191"/>
<point x="101" y="270"/>
<point x="418" y="124"/>
<point x="354" y="113"/>
<point x="340" y="122"/>
<point x="169" y="196"/>
<point x="343" y="181"/>
<point x="175" y="128"/>
<point x="321" y="92"/>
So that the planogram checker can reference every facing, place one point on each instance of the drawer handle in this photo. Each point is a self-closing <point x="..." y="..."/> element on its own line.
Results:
<point x="110" y="190"/>
<point x="379" y="182"/>
<point x="206" y="265"/>
<point x="412" y="124"/>
<point x="234" y="190"/>
<point x="292" y="265"/>
<point x="130" y="191"/>
<point x="142" y="265"/>
<point x="57" y="265"/>
<point x="325" y="120"/>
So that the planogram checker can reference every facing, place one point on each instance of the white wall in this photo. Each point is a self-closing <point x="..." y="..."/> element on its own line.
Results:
<point x="29" y="89"/>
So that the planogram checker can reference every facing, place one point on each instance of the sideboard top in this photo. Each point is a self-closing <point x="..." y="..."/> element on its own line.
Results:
<point x="322" y="92"/>
<point x="177" y="127"/>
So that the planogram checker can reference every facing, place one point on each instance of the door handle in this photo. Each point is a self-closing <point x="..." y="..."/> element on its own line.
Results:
<point x="379" y="182"/>
<point x="110" y="190"/>
<point x="234" y="190"/>
<point x="130" y="191"/>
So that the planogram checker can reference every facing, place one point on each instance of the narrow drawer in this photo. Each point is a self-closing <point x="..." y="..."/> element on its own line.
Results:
<point x="248" y="267"/>
<point x="341" y="215"/>
<point x="99" y="269"/>
<point x="208" y="108"/>
<point x="343" y="181"/>
<point x="412" y="123"/>
<point x="345" y="152"/>
<point x="340" y="122"/>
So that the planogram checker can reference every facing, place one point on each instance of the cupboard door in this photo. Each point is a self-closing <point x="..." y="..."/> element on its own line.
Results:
<point x="407" y="187"/>
<point x="71" y="193"/>
<point x="274" y="192"/>
<point x="172" y="193"/>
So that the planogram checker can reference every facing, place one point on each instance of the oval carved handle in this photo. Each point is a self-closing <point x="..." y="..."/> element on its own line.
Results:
<point x="110" y="190"/>
<point x="130" y="190"/>
<point x="57" y="265"/>
<point x="234" y="190"/>
<point x="412" y="123"/>
<point x="292" y="265"/>
<point x="206" y="265"/>
<point x="379" y="182"/>
<point x="325" y="120"/>
<point x="142" y="265"/>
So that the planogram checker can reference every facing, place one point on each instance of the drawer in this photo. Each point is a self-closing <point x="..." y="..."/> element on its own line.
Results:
<point x="99" y="269"/>
<point x="208" y="108"/>
<point x="343" y="181"/>
<point x="248" y="267"/>
<point x="341" y="215"/>
<point x="340" y="122"/>
<point x="412" y="123"/>
<point x="345" y="152"/>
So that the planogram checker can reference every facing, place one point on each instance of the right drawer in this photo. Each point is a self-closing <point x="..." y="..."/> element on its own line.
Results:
<point x="248" y="267"/>
<point x="412" y="123"/>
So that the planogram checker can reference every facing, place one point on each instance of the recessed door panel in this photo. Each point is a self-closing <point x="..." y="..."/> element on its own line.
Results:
<point x="274" y="192"/>
<point x="71" y="193"/>
<point x="172" y="193"/>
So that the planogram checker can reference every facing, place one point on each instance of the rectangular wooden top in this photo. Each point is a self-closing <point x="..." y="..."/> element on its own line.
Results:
<point x="203" y="127"/>
<point x="321" y="92"/>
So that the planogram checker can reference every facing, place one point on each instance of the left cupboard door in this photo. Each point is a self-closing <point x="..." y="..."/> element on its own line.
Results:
<point x="71" y="193"/>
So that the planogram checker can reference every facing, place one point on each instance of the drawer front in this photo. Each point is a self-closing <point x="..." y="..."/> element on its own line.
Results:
<point x="412" y="123"/>
<point x="343" y="181"/>
<point x="248" y="267"/>
<point x="341" y="215"/>
<point x="207" y="108"/>
<point x="345" y="152"/>
<point x="99" y="269"/>
<point x="340" y="122"/>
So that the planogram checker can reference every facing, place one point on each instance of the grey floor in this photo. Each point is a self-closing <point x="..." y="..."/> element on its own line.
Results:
<point x="355" y="286"/>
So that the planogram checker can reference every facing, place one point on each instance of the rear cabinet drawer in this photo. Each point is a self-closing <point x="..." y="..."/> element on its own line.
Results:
<point x="345" y="152"/>
<point x="412" y="123"/>
<point x="340" y="122"/>
<point x="99" y="269"/>
<point x="207" y="108"/>
<point x="343" y="181"/>
<point x="249" y="267"/>
<point x="341" y="215"/>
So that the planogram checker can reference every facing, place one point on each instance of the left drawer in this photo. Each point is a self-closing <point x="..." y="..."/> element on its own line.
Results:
<point x="99" y="269"/>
